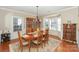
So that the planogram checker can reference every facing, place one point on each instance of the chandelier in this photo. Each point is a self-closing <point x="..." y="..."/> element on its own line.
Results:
<point x="37" y="17"/>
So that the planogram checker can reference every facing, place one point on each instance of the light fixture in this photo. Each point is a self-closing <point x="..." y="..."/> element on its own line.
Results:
<point x="37" y="17"/>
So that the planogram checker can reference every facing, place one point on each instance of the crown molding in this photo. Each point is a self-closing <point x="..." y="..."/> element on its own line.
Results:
<point x="58" y="12"/>
<point x="11" y="10"/>
<point x="68" y="8"/>
<point x="26" y="13"/>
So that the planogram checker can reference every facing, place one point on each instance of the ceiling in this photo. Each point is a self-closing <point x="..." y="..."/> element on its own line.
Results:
<point x="42" y="10"/>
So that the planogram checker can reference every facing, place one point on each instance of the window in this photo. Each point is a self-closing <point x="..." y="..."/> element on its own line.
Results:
<point x="53" y="23"/>
<point x="17" y="23"/>
<point x="59" y="23"/>
<point x="46" y="23"/>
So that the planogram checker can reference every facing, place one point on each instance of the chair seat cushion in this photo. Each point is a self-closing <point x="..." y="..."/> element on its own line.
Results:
<point x="36" y="42"/>
<point x="25" y="43"/>
<point x="43" y="39"/>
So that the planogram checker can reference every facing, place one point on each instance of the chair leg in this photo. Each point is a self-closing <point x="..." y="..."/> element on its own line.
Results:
<point x="29" y="49"/>
<point x="21" y="49"/>
<point x="37" y="49"/>
<point x="42" y="45"/>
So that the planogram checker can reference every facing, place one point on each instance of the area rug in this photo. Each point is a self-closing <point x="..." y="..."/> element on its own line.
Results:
<point x="50" y="47"/>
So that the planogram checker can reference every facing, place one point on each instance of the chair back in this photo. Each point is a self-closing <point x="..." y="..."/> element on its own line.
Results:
<point x="40" y="34"/>
<point x="20" y="40"/>
<point x="46" y="34"/>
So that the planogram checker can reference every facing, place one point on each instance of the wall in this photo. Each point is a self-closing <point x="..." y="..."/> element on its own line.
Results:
<point x="66" y="14"/>
<point x="72" y="15"/>
<point x="9" y="24"/>
<point x="6" y="22"/>
<point x="2" y="18"/>
<point x="78" y="29"/>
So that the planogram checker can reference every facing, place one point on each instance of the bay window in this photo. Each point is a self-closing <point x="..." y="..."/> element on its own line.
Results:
<point x="53" y="23"/>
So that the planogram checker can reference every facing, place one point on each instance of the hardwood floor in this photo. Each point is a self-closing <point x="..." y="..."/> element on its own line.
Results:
<point x="63" y="47"/>
<point x="67" y="47"/>
<point x="4" y="47"/>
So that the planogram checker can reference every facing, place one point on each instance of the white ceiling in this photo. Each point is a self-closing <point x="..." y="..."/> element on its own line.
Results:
<point x="42" y="10"/>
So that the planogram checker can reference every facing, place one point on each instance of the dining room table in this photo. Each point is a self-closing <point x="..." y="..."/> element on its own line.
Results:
<point x="32" y="35"/>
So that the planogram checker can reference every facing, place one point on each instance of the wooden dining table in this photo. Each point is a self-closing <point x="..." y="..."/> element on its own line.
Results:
<point x="32" y="35"/>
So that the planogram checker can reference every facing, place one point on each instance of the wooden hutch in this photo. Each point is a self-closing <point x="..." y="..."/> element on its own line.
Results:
<point x="31" y="24"/>
<point x="69" y="32"/>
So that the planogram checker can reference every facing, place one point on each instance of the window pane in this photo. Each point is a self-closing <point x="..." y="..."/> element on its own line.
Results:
<point x="17" y="24"/>
<point x="59" y="24"/>
<point x="53" y="23"/>
<point x="46" y="23"/>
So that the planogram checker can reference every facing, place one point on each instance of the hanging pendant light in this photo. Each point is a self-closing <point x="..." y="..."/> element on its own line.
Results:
<point x="37" y="17"/>
<point x="37" y="20"/>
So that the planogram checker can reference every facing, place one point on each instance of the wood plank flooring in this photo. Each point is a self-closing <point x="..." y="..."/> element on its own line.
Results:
<point x="63" y="47"/>
<point x="67" y="47"/>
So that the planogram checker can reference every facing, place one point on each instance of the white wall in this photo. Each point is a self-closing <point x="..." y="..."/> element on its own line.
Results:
<point x="78" y="29"/>
<point x="9" y="24"/>
<point x="2" y="18"/>
<point x="70" y="13"/>
<point x="6" y="22"/>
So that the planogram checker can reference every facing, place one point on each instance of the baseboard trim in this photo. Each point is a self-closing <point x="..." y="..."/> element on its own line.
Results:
<point x="55" y="37"/>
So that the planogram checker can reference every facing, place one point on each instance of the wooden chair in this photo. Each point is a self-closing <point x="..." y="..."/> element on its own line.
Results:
<point x="38" y="40"/>
<point x="21" y="42"/>
<point x="45" y="37"/>
<point x="29" y="38"/>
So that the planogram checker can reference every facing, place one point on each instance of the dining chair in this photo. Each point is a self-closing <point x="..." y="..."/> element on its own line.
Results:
<point x="21" y="42"/>
<point x="29" y="39"/>
<point x="45" y="37"/>
<point x="38" y="40"/>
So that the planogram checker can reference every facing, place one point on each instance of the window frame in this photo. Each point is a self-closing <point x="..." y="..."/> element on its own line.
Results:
<point x="16" y="26"/>
<point x="56" y="19"/>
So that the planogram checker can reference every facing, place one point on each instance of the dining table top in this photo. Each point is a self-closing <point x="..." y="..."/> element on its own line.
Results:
<point x="32" y="34"/>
